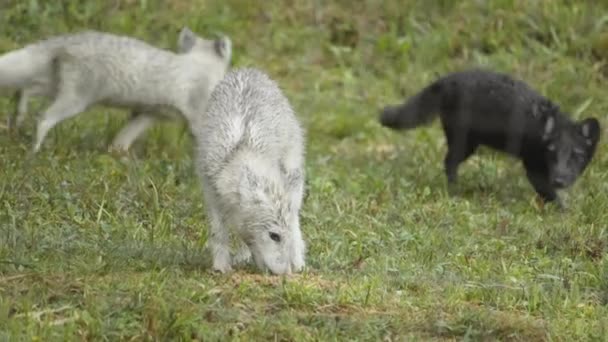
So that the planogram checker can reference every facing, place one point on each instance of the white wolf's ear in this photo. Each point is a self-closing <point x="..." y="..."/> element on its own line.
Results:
<point x="223" y="47"/>
<point x="590" y="129"/>
<point x="186" y="40"/>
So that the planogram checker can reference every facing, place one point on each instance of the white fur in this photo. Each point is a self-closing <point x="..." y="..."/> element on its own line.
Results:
<point x="88" y="68"/>
<point x="250" y="157"/>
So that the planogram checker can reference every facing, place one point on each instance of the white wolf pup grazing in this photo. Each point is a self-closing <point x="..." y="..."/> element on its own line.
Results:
<point x="87" y="68"/>
<point x="250" y="156"/>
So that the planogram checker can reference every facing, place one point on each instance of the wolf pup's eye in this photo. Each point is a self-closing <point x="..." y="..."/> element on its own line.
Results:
<point x="275" y="237"/>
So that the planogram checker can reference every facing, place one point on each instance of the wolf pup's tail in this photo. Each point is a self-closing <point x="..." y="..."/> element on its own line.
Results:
<point x="19" y="67"/>
<point x="418" y="110"/>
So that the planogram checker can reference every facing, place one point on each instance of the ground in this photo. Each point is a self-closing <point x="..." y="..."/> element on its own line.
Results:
<point x="97" y="246"/>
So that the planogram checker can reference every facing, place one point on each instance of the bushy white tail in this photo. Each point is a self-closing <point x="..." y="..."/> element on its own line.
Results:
<point x="20" y="67"/>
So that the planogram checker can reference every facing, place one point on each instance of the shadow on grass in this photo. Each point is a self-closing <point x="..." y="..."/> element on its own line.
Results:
<point x="37" y="251"/>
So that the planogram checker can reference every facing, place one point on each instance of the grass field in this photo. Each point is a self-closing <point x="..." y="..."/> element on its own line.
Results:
<point x="98" y="247"/>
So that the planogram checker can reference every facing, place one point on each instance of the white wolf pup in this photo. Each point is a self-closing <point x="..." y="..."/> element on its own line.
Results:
<point x="82" y="69"/>
<point x="250" y="157"/>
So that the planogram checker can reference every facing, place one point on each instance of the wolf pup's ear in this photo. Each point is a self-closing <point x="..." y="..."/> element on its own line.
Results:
<point x="186" y="40"/>
<point x="590" y="129"/>
<point x="223" y="47"/>
<point x="549" y="126"/>
<point x="543" y="108"/>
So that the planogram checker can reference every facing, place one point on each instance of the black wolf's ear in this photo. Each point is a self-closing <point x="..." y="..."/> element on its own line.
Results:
<point x="543" y="107"/>
<point x="186" y="40"/>
<point x="549" y="125"/>
<point x="590" y="129"/>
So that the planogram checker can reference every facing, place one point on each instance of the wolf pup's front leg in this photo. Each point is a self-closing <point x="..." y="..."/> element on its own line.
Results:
<point x="542" y="186"/>
<point x="295" y="184"/>
<point x="67" y="104"/>
<point x="242" y="255"/>
<point x="298" y="256"/>
<point x="219" y="241"/>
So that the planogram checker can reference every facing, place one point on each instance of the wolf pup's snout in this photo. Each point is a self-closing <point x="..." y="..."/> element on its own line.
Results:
<point x="559" y="182"/>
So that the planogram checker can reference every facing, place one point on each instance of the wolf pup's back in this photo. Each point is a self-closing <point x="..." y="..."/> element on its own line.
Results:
<point x="247" y="108"/>
<point x="250" y="157"/>
<point x="480" y="107"/>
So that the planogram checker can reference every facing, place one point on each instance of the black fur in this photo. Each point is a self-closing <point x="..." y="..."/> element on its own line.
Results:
<point x="480" y="107"/>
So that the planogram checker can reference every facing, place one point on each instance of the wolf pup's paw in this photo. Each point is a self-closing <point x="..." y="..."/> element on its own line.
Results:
<point x="222" y="267"/>
<point x="118" y="149"/>
<point x="221" y="259"/>
<point x="557" y="203"/>
<point x="242" y="256"/>
<point x="453" y="189"/>
<point x="13" y="126"/>
<point x="560" y="205"/>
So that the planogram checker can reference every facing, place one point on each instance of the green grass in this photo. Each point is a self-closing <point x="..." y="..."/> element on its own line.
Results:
<point x="98" y="247"/>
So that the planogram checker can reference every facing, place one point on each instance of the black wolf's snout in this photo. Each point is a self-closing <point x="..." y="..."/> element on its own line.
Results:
<point x="559" y="182"/>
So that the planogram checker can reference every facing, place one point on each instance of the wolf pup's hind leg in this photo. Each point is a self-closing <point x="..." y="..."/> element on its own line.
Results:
<point x="10" y="121"/>
<point x="66" y="105"/>
<point x="16" y="117"/>
<point x="460" y="147"/>
<point x="138" y="123"/>
<point x="22" y="105"/>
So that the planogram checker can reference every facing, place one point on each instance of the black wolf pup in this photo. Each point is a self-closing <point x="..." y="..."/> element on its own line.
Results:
<point x="480" y="107"/>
